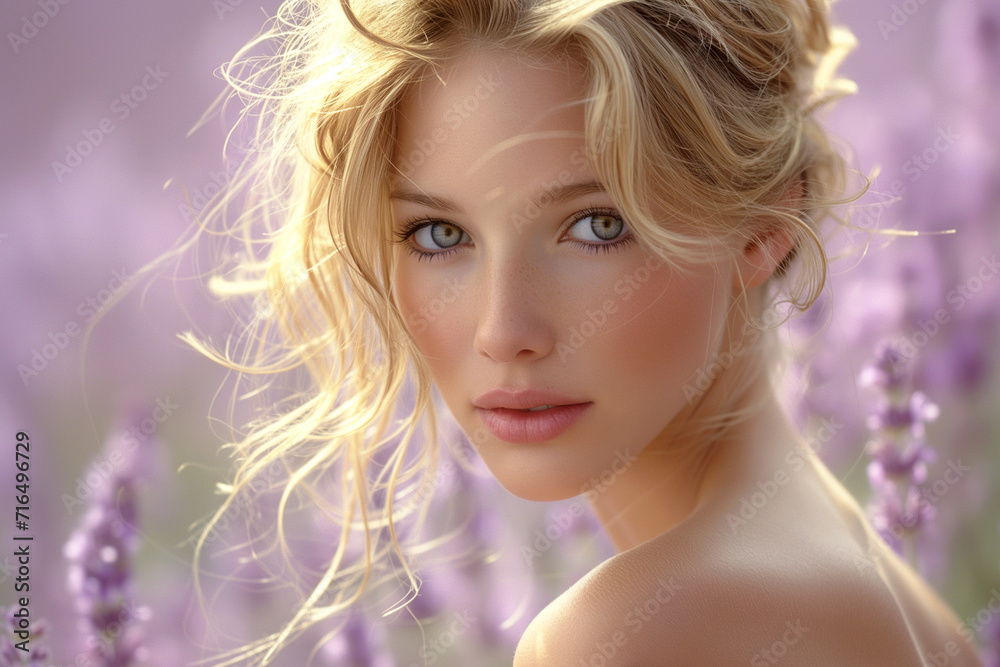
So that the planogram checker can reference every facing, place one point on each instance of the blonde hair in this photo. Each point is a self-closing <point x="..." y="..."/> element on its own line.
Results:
<point x="703" y="109"/>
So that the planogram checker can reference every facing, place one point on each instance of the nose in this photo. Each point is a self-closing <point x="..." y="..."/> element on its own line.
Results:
<point x="515" y="318"/>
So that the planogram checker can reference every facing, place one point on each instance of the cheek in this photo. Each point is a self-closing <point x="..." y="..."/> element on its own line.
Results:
<point x="428" y="303"/>
<point x="679" y="318"/>
<point x="669" y="323"/>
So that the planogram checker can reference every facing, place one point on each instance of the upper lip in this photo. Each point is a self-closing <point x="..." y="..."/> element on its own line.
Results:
<point x="522" y="399"/>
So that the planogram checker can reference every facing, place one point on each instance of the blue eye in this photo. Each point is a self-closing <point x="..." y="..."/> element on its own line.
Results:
<point x="599" y="226"/>
<point x="430" y="234"/>
<point x="441" y="235"/>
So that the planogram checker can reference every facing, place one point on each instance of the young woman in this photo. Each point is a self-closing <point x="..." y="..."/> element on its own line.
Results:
<point x="575" y="220"/>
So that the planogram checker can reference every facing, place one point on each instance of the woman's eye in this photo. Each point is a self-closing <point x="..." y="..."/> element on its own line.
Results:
<point x="598" y="227"/>
<point x="438" y="236"/>
<point x="593" y="230"/>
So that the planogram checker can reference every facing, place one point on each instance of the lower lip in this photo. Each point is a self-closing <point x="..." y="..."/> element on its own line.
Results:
<point x="521" y="426"/>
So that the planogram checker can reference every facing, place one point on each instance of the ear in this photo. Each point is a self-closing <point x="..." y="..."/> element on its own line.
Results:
<point x="767" y="253"/>
<point x="763" y="256"/>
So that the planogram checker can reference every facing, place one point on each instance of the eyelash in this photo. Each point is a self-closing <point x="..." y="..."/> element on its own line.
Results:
<point x="411" y="226"/>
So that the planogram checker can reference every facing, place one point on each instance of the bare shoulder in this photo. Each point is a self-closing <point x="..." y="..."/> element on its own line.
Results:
<point x="794" y="578"/>
<point x="687" y="601"/>
<point x="604" y="619"/>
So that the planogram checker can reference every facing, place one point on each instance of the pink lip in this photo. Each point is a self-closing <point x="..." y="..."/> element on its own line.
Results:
<point x="522" y="399"/>
<point x="519" y="426"/>
<point x="504" y="412"/>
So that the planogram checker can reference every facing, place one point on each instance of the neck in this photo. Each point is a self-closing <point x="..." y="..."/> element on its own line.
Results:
<point x="677" y="473"/>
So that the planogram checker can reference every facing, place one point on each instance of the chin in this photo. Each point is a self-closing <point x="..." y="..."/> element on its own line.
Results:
<point x="547" y="472"/>
<point x="538" y="490"/>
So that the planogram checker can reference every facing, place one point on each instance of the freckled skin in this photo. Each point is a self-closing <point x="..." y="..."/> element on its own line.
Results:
<point x="502" y="308"/>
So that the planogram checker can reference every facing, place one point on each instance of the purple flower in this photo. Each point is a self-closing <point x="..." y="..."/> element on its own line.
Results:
<point x="891" y="463"/>
<point x="37" y="654"/>
<point x="898" y="469"/>
<point x="100" y="553"/>
<point x="890" y="369"/>
<point x="898" y="516"/>
<point x="906" y="418"/>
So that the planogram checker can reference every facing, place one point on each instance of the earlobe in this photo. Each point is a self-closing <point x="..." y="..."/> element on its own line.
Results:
<point x="769" y="252"/>
<point x="762" y="256"/>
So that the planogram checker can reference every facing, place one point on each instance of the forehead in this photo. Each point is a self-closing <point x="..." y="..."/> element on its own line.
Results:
<point x="490" y="110"/>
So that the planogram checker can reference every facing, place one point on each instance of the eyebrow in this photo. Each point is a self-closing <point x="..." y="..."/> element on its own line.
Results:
<point x="548" y="197"/>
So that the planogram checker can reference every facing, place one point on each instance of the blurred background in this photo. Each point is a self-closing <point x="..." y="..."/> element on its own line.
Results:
<point x="99" y="177"/>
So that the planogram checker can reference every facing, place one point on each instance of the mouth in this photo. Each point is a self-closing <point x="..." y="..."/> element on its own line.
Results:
<point x="525" y="399"/>
<point x="532" y="425"/>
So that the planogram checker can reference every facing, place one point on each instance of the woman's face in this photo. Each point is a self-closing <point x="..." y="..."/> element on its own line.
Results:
<point x="534" y="281"/>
